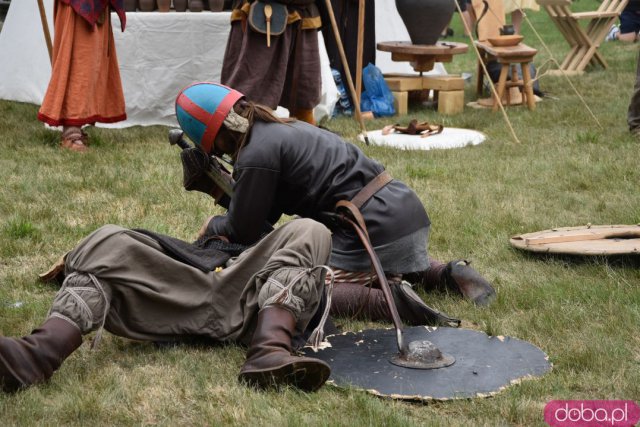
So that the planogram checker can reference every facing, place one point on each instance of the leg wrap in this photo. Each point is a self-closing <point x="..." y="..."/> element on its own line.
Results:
<point x="294" y="288"/>
<point x="301" y="296"/>
<point x="82" y="301"/>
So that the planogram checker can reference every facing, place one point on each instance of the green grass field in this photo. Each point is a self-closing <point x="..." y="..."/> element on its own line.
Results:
<point x="566" y="171"/>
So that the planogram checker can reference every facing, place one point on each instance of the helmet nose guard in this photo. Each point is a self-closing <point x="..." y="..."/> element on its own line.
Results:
<point x="201" y="109"/>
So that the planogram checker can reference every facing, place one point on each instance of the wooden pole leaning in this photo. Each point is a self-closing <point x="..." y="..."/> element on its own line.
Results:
<point x="347" y="72"/>
<point x="45" y="29"/>
<point x="360" y="49"/>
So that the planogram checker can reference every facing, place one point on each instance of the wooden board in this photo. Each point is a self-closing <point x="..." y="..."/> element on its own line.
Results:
<point x="440" y="48"/>
<point x="409" y="83"/>
<point x="585" y="240"/>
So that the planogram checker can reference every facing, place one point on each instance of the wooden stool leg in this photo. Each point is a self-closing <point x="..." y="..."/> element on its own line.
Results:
<point x="515" y="81"/>
<point x="502" y="81"/>
<point x="528" y="86"/>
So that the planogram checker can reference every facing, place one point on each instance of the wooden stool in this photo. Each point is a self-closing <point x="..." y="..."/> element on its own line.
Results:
<point x="508" y="57"/>
<point x="448" y="90"/>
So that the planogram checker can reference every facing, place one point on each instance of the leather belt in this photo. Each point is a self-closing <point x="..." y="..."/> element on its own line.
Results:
<point x="375" y="185"/>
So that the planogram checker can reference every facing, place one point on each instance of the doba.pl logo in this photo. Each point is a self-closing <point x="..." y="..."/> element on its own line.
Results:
<point x="592" y="413"/>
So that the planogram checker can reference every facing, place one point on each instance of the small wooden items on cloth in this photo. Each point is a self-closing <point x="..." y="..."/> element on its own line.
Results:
<point x="423" y="129"/>
<point x="585" y="240"/>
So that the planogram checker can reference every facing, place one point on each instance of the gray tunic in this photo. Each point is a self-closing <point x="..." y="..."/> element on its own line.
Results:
<point x="299" y="169"/>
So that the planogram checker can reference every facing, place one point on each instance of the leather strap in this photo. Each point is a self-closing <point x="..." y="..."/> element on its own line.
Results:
<point x="353" y="216"/>
<point x="375" y="185"/>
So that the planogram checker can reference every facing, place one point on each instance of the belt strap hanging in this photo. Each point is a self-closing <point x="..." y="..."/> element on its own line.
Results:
<point x="349" y="212"/>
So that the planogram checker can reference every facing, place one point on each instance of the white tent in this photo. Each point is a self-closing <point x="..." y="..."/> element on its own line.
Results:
<point x="389" y="27"/>
<point x="159" y="54"/>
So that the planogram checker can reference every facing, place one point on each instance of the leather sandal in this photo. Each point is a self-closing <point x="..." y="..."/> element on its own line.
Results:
<point x="74" y="139"/>
<point x="84" y="137"/>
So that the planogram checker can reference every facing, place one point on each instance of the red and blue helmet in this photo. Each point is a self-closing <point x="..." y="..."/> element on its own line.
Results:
<point x="201" y="109"/>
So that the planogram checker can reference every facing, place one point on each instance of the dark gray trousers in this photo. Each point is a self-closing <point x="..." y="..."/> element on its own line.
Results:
<point x="633" y="114"/>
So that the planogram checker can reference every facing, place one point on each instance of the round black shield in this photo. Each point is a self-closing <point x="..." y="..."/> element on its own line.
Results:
<point x="483" y="365"/>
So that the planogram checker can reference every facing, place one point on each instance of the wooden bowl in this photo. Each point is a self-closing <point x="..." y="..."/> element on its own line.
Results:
<point x="502" y="41"/>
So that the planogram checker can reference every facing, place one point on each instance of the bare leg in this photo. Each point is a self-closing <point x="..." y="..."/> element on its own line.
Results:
<point x="628" y="37"/>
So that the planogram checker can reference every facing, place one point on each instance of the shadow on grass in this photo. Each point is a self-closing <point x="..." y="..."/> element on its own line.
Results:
<point x="618" y="261"/>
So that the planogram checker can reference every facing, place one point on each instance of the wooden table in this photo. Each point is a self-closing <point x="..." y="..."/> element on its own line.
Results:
<point x="508" y="57"/>
<point x="448" y="90"/>
<point x="423" y="57"/>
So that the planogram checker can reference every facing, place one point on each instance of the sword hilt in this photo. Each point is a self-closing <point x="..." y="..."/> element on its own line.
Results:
<point x="176" y="137"/>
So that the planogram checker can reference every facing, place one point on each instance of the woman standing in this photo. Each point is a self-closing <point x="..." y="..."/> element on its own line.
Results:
<point x="85" y="85"/>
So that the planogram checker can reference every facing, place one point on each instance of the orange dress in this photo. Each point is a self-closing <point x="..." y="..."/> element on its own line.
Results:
<point x="85" y="85"/>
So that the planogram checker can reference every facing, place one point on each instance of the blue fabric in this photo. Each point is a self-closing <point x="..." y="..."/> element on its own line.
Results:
<point x="377" y="96"/>
<point x="343" y="105"/>
<point x="192" y="127"/>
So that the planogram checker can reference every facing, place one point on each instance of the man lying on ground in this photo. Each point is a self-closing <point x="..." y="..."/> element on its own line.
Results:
<point x="145" y="286"/>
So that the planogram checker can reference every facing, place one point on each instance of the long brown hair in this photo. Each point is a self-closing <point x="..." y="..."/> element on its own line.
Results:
<point x="252" y="112"/>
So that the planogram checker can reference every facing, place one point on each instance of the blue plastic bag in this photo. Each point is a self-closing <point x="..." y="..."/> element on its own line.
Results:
<point x="376" y="97"/>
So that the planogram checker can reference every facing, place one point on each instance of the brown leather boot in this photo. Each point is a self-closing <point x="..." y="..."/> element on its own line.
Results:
<point x="362" y="302"/>
<point x="34" y="358"/>
<point x="460" y="276"/>
<point x="269" y="361"/>
<point x="358" y="301"/>
<point x="456" y="276"/>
